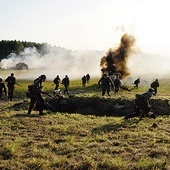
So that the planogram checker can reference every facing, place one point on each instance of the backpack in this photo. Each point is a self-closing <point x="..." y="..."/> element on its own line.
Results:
<point x="139" y="99"/>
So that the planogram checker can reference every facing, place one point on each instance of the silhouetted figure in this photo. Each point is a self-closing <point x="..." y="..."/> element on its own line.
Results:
<point x="155" y="85"/>
<point x="57" y="82"/>
<point x="88" y="77"/>
<point x="84" y="81"/>
<point x="2" y="88"/>
<point x="136" y="82"/>
<point x="36" y="90"/>
<point x="105" y="83"/>
<point x="66" y="83"/>
<point x="142" y="105"/>
<point x="11" y="81"/>
<point x="117" y="85"/>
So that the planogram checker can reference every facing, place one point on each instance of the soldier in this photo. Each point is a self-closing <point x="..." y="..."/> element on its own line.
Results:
<point x="83" y="81"/>
<point x="88" y="77"/>
<point x="66" y="83"/>
<point x="57" y="82"/>
<point x="155" y="85"/>
<point x="142" y="105"/>
<point x="106" y="83"/>
<point x="2" y="88"/>
<point x="11" y="81"/>
<point x="136" y="82"/>
<point x="117" y="85"/>
<point x="36" y="95"/>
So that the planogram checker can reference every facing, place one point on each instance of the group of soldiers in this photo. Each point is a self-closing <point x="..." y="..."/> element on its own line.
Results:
<point x="112" y="81"/>
<point x="85" y="79"/>
<point x="11" y="81"/>
<point x="35" y="91"/>
<point x="107" y="81"/>
<point x="141" y="103"/>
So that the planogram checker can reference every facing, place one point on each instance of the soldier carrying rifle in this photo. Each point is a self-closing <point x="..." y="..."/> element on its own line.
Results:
<point x="35" y="94"/>
<point x="142" y="105"/>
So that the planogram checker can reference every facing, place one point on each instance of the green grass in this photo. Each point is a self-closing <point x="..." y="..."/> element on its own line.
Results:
<point x="77" y="141"/>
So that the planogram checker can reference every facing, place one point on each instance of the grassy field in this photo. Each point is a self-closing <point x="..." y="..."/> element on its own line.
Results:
<point x="79" y="141"/>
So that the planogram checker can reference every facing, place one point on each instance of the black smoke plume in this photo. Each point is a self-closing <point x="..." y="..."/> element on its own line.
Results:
<point x="116" y="59"/>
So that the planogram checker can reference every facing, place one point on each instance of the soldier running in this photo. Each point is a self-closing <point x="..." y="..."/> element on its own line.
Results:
<point x="36" y="95"/>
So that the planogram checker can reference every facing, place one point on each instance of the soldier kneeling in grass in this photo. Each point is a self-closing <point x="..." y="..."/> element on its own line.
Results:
<point x="142" y="105"/>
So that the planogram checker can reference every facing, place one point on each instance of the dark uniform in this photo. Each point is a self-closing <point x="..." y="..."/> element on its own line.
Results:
<point x="106" y="83"/>
<point x="11" y="81"/>
<point x="142" y="105"/>
<point x="2" y="88"/>
<point x="136" y="82"/>
<point x="88" y="77"/>
<point x="66" y="83"/>
<point x="83" y="81"/>
<point x="155" y="85"/>
<point x="117" y="84"/>
<point x="36" y="95"/>
<point x="57" y="82"/>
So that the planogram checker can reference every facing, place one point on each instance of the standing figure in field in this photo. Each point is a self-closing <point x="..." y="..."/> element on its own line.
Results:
<point x="83" y="81"/>
<point x="66" y="82"/>
<point x="155" y="85"/>
<point x="11" y="81"/>
<point x="2" y="88"/>
<point x="142" y="105"/>
<point x="88" y="77"/>
<point x="105" y="83"/>
<point x="57" y="82"/>
<point x="36" y="91"/>
<point x="117" y="85"/>
<point x="136" y="83"/>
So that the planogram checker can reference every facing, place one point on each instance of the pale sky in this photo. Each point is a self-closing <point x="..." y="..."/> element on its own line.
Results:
<point x="87" y="24"/>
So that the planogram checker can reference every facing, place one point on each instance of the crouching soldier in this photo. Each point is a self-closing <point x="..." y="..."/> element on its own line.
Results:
<point x="142" y="105"/>
<point x="36" y="94"/>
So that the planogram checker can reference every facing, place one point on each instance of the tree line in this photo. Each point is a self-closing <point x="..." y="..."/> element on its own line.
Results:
<point x="12" y="46"/>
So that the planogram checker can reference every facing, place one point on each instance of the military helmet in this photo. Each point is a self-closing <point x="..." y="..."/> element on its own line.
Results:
<point x="43" y="77"/>
<point x="151" y="90"/>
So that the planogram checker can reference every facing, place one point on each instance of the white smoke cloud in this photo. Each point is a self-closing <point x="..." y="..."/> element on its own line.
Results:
<point x="75" y="64"/>
<point x="58" y="61"/>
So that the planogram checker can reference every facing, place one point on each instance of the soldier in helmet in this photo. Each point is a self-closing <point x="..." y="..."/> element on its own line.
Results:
<point x="136" y="82"/>
<point x="105" y="83"/>
<point x="36" y="95"/>
<point x="57" y="82"/>
<point x="142" y="105"/>
<point x="155" y="85"/>
<point x="66" y="82"/>
<point x="11" y="81"/>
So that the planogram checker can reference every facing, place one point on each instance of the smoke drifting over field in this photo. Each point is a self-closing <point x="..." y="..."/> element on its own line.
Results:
<point x="60" y="61"/>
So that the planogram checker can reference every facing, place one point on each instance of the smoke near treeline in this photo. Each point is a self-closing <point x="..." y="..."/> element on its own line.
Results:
<point x="123" y="58"/>
<point x="58" y="61"/>
<point x="116" y="59"/>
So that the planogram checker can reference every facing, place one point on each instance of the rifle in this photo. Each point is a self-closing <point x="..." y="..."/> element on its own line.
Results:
<point x="43" y="92"/>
